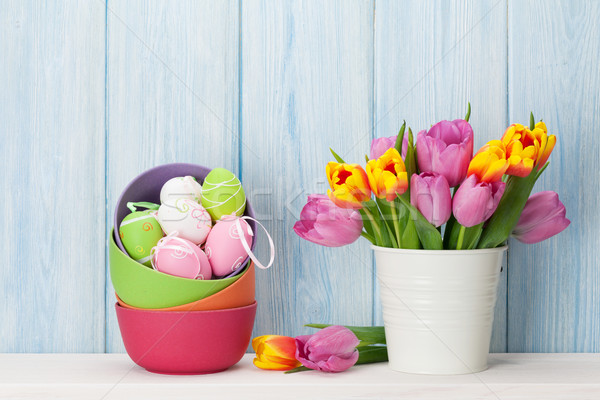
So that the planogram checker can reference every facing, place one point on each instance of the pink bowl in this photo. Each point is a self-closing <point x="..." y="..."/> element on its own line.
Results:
<point x="191" y="342"/>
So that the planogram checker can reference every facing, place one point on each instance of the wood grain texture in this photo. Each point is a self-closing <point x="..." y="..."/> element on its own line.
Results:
<point x="172" y="94"/>
<point x="554" y="48"/>
<point x="306" y="86"/>
<point x="52" y="152"/>
<point x="431" y="59"/>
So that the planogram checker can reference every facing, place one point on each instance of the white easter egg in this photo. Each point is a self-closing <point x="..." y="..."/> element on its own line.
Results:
<point x="182" y="187"/>
<point x="188" y="218"/>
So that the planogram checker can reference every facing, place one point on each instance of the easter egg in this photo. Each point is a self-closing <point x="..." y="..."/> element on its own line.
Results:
<point x="140" y="232"/>
<point x="222" y="194"/>
<point x="224" y="247"/>
<point x="188" y="218"/>
<point x="180" y="257"/>
<point x="183" y="187"/>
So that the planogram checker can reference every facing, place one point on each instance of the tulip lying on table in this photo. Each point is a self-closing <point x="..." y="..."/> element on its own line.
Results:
<point x="334" y="348"/>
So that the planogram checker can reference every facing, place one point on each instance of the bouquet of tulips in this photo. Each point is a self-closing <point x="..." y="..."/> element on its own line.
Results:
<point x="434" y="194"/>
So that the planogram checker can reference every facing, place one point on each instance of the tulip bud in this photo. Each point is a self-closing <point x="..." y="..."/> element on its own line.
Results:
<point x="474" y="202"/>
<point x="490" y="163"/>
<point x="446" y="149"/>
<point x="430" y="194"/>
<point x="349" y="185"/>
<point x="324" y="223"/>
<point x="387" y="175"/>
<point x="526" y="149"/>
<point x="275" y="352"/>
<point x="380" y="145"/>
<point x="332" y="349"/>
<point x="542" y="218"/>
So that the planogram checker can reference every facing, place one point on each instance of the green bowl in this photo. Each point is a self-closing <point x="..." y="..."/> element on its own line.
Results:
<point x="143" y="287"/>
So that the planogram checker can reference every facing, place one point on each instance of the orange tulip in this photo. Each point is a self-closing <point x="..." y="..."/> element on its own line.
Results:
<point x="526" y="149"/>
<point x="387" y="175"/>
<point x="275" y="352"/>
<point x="349" y="185"/>
<point x="490" y="163"/>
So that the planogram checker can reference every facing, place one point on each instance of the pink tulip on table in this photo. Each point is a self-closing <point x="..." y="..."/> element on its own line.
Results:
<point x="447" y="149"/>
<point x="430" y="194"/>
<point x="324" y="223"/>
<point x="542" y="218"/>
<point x="474" y="202"/>
<point x="332" y="349"/>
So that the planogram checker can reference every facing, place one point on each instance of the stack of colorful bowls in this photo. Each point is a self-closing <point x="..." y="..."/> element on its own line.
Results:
<point x="176" y="325"/>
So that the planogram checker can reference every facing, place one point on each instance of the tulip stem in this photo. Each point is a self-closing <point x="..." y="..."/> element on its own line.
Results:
<point x="396" y="221"/>
<point x="376" y="227"/>
<point x="368" y="237"/>
<point x="461" y="237"/>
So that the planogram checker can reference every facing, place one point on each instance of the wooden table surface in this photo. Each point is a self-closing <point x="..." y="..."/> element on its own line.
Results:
<point x="114" y="376"/>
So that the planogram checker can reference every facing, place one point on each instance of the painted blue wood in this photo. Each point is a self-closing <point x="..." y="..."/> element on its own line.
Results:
<point x="172" y="79"/>
<point x="172" y="95"/>
<point x="431" y="58"/>
<point x="52" y="152"/>
<point x="554" y="48"/>
<point x="307" y="85"/>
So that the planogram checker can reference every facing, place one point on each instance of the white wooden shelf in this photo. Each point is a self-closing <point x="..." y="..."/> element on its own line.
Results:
<point x="114" y="376"/>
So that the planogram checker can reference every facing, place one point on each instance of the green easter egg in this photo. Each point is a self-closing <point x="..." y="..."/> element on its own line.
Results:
<point x="139" y="233"/>
<point x="222" y="194"/>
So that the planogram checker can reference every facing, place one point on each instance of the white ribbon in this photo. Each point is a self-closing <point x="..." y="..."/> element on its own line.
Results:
<point x="238" y="225"/>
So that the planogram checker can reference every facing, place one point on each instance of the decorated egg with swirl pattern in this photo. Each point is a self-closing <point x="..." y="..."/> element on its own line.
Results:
<point x="224" y="247"/>
<point x="139" y="233"/>
<point x="186" y="217"/>
<point x="223" y="194"/>
<point x="180" y="257"/>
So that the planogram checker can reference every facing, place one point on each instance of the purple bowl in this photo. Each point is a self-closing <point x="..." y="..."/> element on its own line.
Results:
<point x="147" y="185"/>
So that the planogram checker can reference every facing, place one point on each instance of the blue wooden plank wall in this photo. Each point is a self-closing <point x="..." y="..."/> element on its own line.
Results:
<point x="93" y="93"/>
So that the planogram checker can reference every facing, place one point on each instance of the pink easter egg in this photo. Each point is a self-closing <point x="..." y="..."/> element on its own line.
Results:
<point x="180" y="257"/>
<point x="224" y="246"/>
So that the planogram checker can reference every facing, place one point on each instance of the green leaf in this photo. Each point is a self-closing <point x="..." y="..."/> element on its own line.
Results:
<point x="430" y="238"/>
<point x="385" y="208"/>
<point x="448" y="233"/>
<point x="410" y="237"/>
<point x="468" y="112"/>
<point x="297" y="369"/>
<point x="366" y="158"/>
<point x="504" y="220"/>
<point x="531" y="121"/>
<point x="366" y="223"/>
<point x="372" y="354"/>
<point x="400" y="138"/>
<point x="338" y="158"/>
<point x="470" y="239"/>
<point x="368" y="334"/>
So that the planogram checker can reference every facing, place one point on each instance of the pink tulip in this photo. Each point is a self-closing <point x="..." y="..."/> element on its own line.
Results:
<point x="447" y="148"/>
<point x="381" y="145"/>
<point x="542" y="217"/>
<point x="430" y="194"/>
<point x="474" y="202"/>
<point x="324" y="223"/>
<point x="332" y="349"/>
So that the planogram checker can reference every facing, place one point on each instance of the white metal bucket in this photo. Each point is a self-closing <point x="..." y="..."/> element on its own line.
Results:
<point x="438" y="307"/>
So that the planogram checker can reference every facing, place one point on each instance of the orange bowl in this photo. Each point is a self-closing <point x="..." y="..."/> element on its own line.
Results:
<point x="238" y="294"/>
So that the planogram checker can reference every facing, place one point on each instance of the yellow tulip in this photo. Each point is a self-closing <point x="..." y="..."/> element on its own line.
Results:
<point x="387" y="175"/>
<point x="526" y="149"/>
<point x="349" y="185"/>
<point x="490" y="163"/>
<point x="275" y="352"/>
